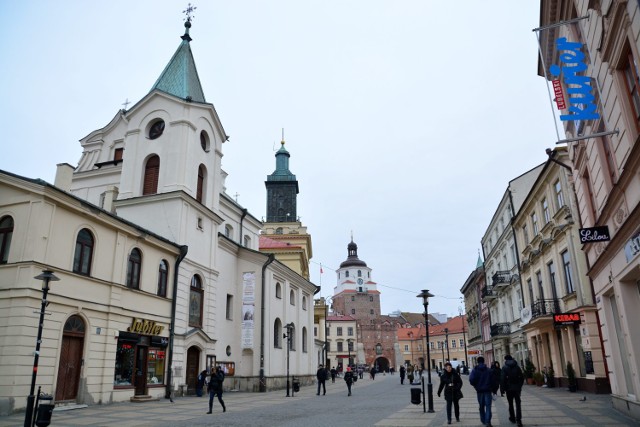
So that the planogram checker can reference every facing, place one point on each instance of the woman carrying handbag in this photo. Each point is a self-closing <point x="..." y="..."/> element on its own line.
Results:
<point x="451" y="382"/>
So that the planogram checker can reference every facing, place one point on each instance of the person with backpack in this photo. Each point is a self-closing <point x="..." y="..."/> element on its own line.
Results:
<point x="451" y="383"/>
<point x="215" y="388"/>
<point x="511" y="383"/>
<point x="202" y="378"/>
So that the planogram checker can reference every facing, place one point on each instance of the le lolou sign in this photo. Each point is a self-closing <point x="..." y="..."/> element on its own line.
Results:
<point x="579" y="90"/>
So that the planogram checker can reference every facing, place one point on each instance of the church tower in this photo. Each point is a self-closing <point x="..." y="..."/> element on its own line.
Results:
<point x="283" y="233"/>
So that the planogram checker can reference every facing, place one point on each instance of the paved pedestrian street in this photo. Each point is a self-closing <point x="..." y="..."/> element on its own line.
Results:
<point x="379" y="402"/>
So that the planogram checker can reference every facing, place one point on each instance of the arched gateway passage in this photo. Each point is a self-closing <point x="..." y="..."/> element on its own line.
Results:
<point x="382" y="364"/>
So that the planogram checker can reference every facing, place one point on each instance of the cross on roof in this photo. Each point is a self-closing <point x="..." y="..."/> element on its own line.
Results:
<point x="188" y="11"/>
<point x="126" y="103"/>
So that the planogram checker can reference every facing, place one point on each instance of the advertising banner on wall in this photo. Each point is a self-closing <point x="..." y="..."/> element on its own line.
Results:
<point x="248" y="308"/>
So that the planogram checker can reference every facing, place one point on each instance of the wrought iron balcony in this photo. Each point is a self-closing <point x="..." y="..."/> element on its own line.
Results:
<point x="544" y="307"/>
<point x="501" y="278"/>
<point x="488" y="294"/>
<point x="500" y="329"/>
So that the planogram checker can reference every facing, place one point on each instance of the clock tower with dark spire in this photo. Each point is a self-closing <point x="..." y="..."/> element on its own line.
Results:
<point x="293" y="247"/>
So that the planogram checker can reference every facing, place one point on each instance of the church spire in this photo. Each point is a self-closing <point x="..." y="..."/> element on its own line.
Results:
<point x="180" y="77"/>
<point x="282" y="190"/>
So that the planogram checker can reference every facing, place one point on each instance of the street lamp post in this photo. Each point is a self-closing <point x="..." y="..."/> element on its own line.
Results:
<point x="464" y="338"/>
<point x="425" y="302"/>
<point x="349" y="341"/>
<point x="46" y="277"/>
<point x="446" y="337"/>
<point x="442" y="350"/>
<point x="289" y="327"/>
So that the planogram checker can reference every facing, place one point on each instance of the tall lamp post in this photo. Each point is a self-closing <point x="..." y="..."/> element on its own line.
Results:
<point x="46" y="277"/>
<point x="289" y="327"/>
<point x="425" y="295"/>
<point x="446" y="335"/>
<point x="464" y="338"/>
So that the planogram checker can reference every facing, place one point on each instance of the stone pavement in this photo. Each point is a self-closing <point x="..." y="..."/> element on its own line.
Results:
<point x="541" y="407"/>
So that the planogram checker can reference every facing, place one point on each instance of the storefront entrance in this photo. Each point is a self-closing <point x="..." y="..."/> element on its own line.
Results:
<point x="70" y="359"/>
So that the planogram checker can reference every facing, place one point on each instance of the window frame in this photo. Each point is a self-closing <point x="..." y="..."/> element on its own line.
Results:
<point x="163" y="278"/>
<point x="196" y="288"/>
<point x="134" y="269"/>
<point x="7" y="225"/>
<point x="83" y="255"/>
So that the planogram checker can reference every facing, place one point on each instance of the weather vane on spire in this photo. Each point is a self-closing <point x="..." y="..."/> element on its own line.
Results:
<point x="188" y="11"/>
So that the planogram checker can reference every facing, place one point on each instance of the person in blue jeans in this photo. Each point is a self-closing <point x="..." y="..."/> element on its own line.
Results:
<point x="484" y="382"/>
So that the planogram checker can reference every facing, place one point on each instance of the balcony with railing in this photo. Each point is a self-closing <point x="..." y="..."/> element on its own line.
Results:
<point x="544" y="307"/>
<point x="488" y="294"/>
<point x="500" y="329"/>
<point x="501" y="278"/>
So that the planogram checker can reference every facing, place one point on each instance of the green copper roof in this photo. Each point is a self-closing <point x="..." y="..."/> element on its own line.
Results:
<point x="180" y="77"/>
<point x="282" y="172"/>
<point x="480" y="263"/>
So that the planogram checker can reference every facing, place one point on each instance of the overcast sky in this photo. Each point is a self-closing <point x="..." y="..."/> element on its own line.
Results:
<point x="405" y="120"/>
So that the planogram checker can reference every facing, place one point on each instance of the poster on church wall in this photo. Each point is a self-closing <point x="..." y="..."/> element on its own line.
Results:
<point x="248" y="308"/>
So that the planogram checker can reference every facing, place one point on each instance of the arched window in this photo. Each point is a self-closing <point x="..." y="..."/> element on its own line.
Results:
<point x="292" y="298"/>
<point x="304" y="340"/>
<point x="195" y="302"/>
<point x="163" y="274"/>
<point x="359" y="273"/>
<point x="200" y="186"/>
<point x="278" y="290"/>
<point x="247" y="241"/>
<point x="228" y="231"/>
<point x="6" y="232"/>
<point x="304" y="302"/>
<point x="277" y="334"/>
<point x="151" y="174"/>
<point x="279" y="230"/>
<point x="346" y="273"/>
<point x="84" y="252"/>
<point x="133" y="269"/>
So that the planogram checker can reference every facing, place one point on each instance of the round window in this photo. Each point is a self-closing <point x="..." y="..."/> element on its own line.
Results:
<point x="156" y="129"/>
<point x="228" y="350"/>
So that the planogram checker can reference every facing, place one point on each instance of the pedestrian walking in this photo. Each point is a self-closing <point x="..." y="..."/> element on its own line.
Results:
<point x="348" y="378"/>
<point x="451" y="382"/>
<point x="402" y="372"/>
<point x="481" y="379"/>
<point x="333" y="374"/>
<point x="410" y="374"/>
<point x="496" y="372"/>
<point x="215" y="388"/>
<point x="511" y="383"/>
<point x="202" y="377"/>
<point x="360" y="372"/>
<point x="321" y="375"/>
<point x="373" y="373"/>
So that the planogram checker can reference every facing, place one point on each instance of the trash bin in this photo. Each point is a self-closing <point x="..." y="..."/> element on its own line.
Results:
<point x="415" y="395"/>
<point x="45" y="410"/>
<point x="296" y="386"/>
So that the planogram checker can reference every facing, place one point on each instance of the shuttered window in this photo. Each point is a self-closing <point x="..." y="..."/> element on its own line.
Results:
<point x="151" y="173"/>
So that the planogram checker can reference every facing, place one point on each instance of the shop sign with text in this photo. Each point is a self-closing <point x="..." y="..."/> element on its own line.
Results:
<point x="145" y="327"/>
<point x="566" y="319"/>
<point x="595" y="234"/>
<point x="579" y="91"/>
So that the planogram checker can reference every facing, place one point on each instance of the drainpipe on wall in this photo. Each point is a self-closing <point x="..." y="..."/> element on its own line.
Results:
<point x="244" y="213"/>
<point x="270" y="259"/>
<point x="183" y="253"/>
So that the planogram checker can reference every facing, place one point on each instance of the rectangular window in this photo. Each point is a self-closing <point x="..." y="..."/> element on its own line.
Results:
<point x="155" y="366"/>
<point x="559" y="197"/>
<point x="530" y="287"/>
<point x="540" y="288"/>
<point x="229" y="307"/>
<point x="339" y="331"/>
<point x="588" y="193"/>
<point x="315" y="331"/>
<point x="568" y="275"/>
<point x="545" y="211"/>
<point x="406" y="347"/>
<point x="630" y="71"/>
<point x="350" y="331"/>
<point x="461" y="343"/>
<point x="117" y="154"/>
<point x="552" y="275"/>
<point x="350" y="345"/>
<point x="534" y="223"/>
<point x="453" y="343"/>
<point x="431" y="344"/>
<point x="340" y="346"/>
<point x="525" y="233"/>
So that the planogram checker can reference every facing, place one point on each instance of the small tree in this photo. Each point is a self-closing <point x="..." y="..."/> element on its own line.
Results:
<point x="551" y="381"/>
<point x="571" y="377"/>
<point x="529" y="369"/>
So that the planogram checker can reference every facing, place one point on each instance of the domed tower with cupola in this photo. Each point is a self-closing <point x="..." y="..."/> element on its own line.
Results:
<point x="356" y="294"/>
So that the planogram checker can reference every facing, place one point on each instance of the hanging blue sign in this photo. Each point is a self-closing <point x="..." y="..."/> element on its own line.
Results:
<point x="580" y="99"/>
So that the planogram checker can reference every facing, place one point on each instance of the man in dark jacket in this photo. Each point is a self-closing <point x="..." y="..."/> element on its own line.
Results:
<point x="215" y="387"/>
<point x="483" y="381"/>
<point x="321" y="375"/>
<point x="333" y="374"/>
<point x="511" y="383"/>
<point x="348" y="378"/>
<point x="402" y="372"/>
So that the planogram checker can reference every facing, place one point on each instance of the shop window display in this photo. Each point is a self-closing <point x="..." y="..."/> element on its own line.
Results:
<point x="125" y="362"/>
